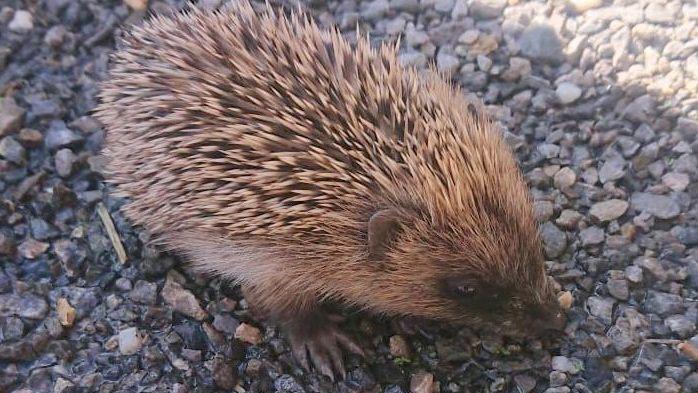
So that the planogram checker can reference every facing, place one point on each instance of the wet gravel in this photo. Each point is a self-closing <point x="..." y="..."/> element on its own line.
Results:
<point x="598" y="99"/>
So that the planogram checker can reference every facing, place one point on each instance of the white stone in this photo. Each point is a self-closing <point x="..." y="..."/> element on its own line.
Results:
<point x="568" y="92"/>
<point x="22" y="21"/>
<point x="129" y="341"/>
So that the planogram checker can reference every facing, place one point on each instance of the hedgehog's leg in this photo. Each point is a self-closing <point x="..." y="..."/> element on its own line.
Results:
<point x="313" y="334"/>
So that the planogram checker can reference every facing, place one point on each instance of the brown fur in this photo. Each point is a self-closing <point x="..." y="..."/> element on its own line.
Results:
<point x="261" y="146"/>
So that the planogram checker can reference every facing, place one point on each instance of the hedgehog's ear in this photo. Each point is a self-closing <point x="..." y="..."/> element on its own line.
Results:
<point x="383" y="228"/>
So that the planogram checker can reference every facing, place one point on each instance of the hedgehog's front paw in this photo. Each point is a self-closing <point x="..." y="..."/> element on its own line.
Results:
<point x="317" y="340"/>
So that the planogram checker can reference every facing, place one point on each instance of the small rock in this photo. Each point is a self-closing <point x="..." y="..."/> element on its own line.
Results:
<point x="568" y="219"/>
<point x="55" y="36"/>
<point x="634" y="274"/>
<point x="399" y="347"/>
<point x="21" y="22"/>
<point x="659" y="206"/>
<point x="137" y="5"/>
<point x="447" y="63"/>
<point x="676" y="181"/>
<point x="130" y="341"/>
<point x="225" y="323"/>
<point x="557" y="378"/>
<point x="618" y="289"/>
<point x="11" y="116"/>
<point x="664" y="304"/>
<point x="422" y="382"/>
<point x="524" y="382"/>
<point x="31" y="248"/>
<point x="565" y="299"/>
<point x="181" y="299"/>
<point x="469" y="36"/>
<point x="12" y="151"/>
<point x="568" y="92"/>
<point x="566" y="365"/>
<point x="224" y="374"/>
<point x="540" y="42"/>
<point x="487" y="9"/>
<point x="609" y="210"/>
<point x="286" y="383"/>
<point x="680" y="325"/>
<point x="413" y="59"/>
<point x="375" y="10"/>
<point x="26" y="305"/>
<point x="144" y="292"/>
<point x="667" y="385"/>
<point x="66" y="312"/>
<point x="591" y="236"/>
<point x="123" y="284"/>
<point x="41" y="230"/>
<point x="62" y="385"/>
<point x="30" y="137"/>
<point x="460" y="9"/>
<point x="64" y="161"/>
<point x="59" y="135"/>
<point x="612" y="170"/>
<point x="248" y="333"/>
<point x="444" y="6"/>
<point x="7" y="244"/>
<point x="584" y="5"/>
<point x="543" y="210"/>
<point x="549" y="150"/>
<point x="484" y="62"/>
<point x="564" y="178"/>
<point x="554" y="240"/>
<point x="601" y="308"/>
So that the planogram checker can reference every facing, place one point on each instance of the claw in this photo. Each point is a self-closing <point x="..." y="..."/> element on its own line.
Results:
<point x="318" y="342"/>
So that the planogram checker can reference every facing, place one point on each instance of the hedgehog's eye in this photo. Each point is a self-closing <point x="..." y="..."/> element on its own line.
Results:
<point x="465" y="291"/>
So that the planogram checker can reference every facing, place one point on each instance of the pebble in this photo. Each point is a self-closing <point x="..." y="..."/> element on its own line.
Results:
<point x="591" y="236"/>
<point x="137" y="5"/>
<point x="55" y="36"/>
<point x="59" y="135"/>
<point x="566" y="365"/>
<point x="680" y="325"/>
<point x="374" y="10"/>
<point x="66" y="312"/>
<point x="225" y="323"/>
<point x="611" y="170"/>
<point x="224" y="374"/>
<point x="286" y="383"/>
<point x="663" y="303"/>
<point x="487" y="9"/>
<point x="568" y="92"/>
<point x="676" y="181"/>
<point x="659" y="206"/>
<point x="144" y="292"/>
<point x="422" y="382"/>
<point x="413" y="59"/>
<point x="540" y="43"/>
<point x="248" y="333"/>
<point x="618" y="289"/>
<point x="22" y="22"/>
<point x="64" y="161"/>
<point x="31" y="248"/>
<point x="26" y="305"/>
<point x="447" y="63"/>
<point x="181" y="299"/>
<point x="564" y="178"/>
<point x="601" y="308"/>
<point x="399" y="347"/>
<point x="12" y="151"/>
<point x="584" y="5"/>
<point x="543" y="210"/>
<point x="130" y="341"/>
<point x="460" y="9"/>
<point x="554" y="240"/>
<point x="524" y="383"/>
<point x="609" y="210"/>
<point x="30" y="137"/>
<point x="569" y="219"/>
<point x="11" y="116"/>
<point x="469" y="36"/>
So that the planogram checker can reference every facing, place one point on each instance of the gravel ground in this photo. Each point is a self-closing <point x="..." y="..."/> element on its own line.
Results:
<point x="599" y="100"/>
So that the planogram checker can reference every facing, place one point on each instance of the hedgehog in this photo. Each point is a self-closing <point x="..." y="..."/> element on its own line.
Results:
<point x="313" y="171"/>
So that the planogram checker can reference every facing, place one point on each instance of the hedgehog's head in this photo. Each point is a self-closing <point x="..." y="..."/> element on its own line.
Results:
<point x="487" y="273"/>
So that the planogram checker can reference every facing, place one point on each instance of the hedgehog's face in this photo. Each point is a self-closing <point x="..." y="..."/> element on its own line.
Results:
<point x="445" y="279"/>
